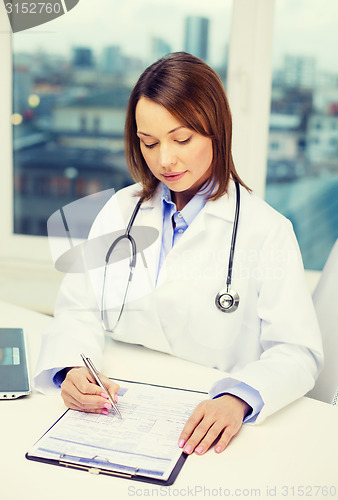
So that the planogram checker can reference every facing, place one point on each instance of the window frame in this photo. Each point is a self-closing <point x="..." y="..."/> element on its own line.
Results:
<point x="249" y="87"/>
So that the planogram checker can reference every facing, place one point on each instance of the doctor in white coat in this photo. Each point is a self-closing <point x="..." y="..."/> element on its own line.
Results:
<point x="178" y="149"/>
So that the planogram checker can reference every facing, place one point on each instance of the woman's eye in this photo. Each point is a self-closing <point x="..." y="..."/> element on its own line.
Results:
<point x="185" y="141"/>
<point x="149" y="146"/>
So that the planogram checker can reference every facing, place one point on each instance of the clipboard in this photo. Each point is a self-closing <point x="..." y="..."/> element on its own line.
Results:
<point x="104" y="461"/>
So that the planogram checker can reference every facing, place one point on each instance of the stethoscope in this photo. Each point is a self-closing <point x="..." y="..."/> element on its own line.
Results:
<point x="226" y="300"/>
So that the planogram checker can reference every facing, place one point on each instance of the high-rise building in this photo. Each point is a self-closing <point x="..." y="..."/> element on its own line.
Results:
<point x="196" y="36"/>
<point x="83" y="57"/>
<point x="112" y="60"/>
<point x="159" y="48"/>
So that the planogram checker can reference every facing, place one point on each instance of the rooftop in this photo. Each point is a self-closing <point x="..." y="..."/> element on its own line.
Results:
<point x="116" y="98"/>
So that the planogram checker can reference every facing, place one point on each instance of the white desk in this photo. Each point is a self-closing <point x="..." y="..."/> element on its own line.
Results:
<point x="296" y="448"/>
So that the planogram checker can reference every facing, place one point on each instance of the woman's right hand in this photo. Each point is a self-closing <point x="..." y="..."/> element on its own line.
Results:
<point x="80" y="391"/>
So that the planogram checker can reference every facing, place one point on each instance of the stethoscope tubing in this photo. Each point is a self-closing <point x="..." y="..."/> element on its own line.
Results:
<point x="132" y="265"/>
<point x="232" y="297"/>
<point x="233" y="237"/>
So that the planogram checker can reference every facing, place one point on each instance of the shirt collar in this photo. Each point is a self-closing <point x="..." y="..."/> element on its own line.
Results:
<point x="191" y="209"/>
<point x="224" y="207"/>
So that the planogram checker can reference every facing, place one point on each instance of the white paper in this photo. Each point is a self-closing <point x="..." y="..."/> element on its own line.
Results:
<point x="144" y="442"/>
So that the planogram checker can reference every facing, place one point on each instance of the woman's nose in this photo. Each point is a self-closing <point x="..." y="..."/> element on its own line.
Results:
<point x="167" y="156"/>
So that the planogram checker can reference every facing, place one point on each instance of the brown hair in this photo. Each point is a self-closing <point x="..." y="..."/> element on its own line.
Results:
<point x="193" y="93"/>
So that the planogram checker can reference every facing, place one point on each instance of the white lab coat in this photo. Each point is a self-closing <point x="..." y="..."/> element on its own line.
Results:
<point x="271" y="343"/>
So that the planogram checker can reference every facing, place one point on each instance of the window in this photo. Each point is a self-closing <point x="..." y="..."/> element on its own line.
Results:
<point x="302" y="181"/>
<point x="70" y="93"/>
<point x="243" y="62"/>
<point x="83" y="123"/>
<point x="129" y="35"/>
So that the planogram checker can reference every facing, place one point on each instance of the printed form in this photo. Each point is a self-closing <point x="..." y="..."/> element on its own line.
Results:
<point x="144" y="442"/>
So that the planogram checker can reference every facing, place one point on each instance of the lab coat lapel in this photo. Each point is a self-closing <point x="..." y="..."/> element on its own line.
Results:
<point x="223" y="208"/>
<point x="150" y="214"/>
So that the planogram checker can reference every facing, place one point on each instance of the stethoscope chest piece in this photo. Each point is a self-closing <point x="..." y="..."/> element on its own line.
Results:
<point x="227" y="301"/>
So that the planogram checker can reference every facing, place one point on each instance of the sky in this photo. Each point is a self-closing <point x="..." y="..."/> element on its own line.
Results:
<point x="129" y="23"/>
<point x="307" y="27"/>
<point x="302" y="27"/>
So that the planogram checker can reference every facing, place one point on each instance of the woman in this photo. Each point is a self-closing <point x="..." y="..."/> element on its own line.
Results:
<point x="178" y="149"/>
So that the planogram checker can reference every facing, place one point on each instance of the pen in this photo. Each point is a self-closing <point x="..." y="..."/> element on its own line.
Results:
<point x="89" y="364"/>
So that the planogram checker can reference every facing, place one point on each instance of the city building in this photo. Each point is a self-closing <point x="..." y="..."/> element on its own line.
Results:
<point x="22" y="89"/>
<point x="95" y="121"/>
<point x="283" y="137"/>
<point x="159" y="48"/>
<point x="196" y="38"/>
<point x="83" y="57"/>
<point x="322" y="139"/>
<point x="112" y="60"/>
<point x="49" y="176"/>
<point x="286" y="139"/>
<point x="299" y="71"/>
<point x="82" y="153"/>
<point x="325" y="99"/>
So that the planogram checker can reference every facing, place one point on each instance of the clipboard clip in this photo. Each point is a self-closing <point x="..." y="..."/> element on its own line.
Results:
<point x="92" y="465"/>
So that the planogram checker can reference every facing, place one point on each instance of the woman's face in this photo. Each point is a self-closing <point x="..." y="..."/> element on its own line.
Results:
<point x="177" y="156"/>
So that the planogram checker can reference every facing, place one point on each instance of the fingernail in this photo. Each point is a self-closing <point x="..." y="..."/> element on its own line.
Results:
<point x="104" y="395"/>
<point x="188" y="449"/>
<point x="199" y="449"/>
<point x="115" y="398"/>
<point x="107" y="405"/>
<point x="104" y="412"/>
<point x="218" y="449"/>
<point x="181" y="443"/>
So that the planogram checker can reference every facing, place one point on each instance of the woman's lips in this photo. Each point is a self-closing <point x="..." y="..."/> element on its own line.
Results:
<point x="172" y="177"/>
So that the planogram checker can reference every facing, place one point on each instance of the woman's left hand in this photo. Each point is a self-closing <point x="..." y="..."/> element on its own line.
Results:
<point x="214" y="418"/>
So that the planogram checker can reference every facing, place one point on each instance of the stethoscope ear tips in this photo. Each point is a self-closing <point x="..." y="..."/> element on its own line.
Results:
<point x="227" y="301"/>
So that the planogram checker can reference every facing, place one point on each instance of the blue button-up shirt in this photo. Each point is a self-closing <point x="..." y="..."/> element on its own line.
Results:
<point x="175" y="222"/>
